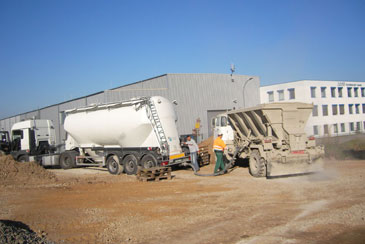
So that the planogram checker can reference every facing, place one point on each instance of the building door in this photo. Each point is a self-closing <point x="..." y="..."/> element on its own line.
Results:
<point x="211" y="114"/>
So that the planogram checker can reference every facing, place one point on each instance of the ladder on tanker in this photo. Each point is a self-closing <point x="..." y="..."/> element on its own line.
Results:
<point x="157" y="126"/>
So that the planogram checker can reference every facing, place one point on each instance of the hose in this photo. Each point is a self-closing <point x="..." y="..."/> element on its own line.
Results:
<point x="222" y="172"/>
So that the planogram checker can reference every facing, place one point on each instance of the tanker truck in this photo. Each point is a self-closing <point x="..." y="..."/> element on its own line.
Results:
<point x="122" y="136"/>
<point x="272" y="137"/>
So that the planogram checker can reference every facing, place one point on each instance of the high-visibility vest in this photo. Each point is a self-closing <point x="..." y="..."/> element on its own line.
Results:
<point x="219" y="144"/>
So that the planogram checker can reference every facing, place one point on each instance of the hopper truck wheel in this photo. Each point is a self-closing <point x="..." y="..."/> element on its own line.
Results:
<point x="130" y="163"/>
<point x="113" y="165"/>
<point x="68" y="160"/>
<point x="149" y="161"/>
<point x="257" y="164"/>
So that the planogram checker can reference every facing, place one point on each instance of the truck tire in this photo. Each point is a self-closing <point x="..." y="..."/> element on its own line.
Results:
<point x="148" y="161"/>
<point x="68" y="160"/>
<point x="257" y="164"/>
<point x="23" y="158"/>
<point x="113" y="165"/>
<point x="130" y="163"/>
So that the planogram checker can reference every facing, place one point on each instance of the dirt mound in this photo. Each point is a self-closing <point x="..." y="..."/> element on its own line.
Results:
<point x="17" y="232"/>
<point x="13" y="172"/>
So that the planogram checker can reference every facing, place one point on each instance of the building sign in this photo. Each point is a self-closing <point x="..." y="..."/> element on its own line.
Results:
<point x="343" y="83"/>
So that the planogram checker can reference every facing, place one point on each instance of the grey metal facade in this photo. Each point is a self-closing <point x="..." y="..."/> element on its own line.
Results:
<point x="197" y="96"/>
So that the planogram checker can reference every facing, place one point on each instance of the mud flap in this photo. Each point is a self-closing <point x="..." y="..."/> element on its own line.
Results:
<point x="293" y="166"/>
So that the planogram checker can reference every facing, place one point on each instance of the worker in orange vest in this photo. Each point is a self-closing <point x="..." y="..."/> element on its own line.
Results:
<point x="218" y="148"/>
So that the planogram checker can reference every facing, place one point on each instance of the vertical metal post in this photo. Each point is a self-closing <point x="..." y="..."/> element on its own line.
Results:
<point x="243" y="92"/>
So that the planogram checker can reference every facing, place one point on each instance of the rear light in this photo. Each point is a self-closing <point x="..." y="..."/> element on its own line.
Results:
<point x="267" y="141"/>
<point x="149" y="148"/>
<point x="311" y="138"/>
<point x="27" y="150"/>
<point x="298" y="152"/>
<point x="165" y="163"/>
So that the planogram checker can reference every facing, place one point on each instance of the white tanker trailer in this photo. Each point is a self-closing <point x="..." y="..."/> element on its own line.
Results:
<point x="123" y="135"/>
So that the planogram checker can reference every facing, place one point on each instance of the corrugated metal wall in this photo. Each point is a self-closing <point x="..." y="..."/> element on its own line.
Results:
<point x="196" y="94"/>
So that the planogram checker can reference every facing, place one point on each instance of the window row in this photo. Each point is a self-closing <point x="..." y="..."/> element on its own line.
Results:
<point x="339" y="128"/>
<point x="338" y="91"/>
<point x="338" y="109"/>
<point x="280" y="95"/>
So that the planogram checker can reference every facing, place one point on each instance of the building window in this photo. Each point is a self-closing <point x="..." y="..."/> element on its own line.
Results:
<point x="335" y="128"/>
<point x="352" y="127"/>
<point x="281" y="95"/>
<point x="349" y="91"/>
<point x="315" y="110"/>
<point x="363" y="92"/>
<point x="358" y="126"/>
<point x="333" y="91"/>
<point x="325" y="129"/>
<point x="323" y="92"/>
<point x="343" y="129"/>
<point x="340" y="92"/>
<point x="342" y="108"/>
<point x="313" y="92"/>
<point x="315" y="129"/>
<point x="325" y="110"/>
<point x="357" y="108"/>
<point x="363" y="108"/>
<point x="271" y="96"/>
<point x="356" y="92"/>
<point x="351" y="108"/>
<point x="334" y="109"/>
<point x="291" y="93"/>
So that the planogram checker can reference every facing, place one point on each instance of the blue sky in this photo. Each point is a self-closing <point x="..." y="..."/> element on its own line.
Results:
<point x="52" y="51"/>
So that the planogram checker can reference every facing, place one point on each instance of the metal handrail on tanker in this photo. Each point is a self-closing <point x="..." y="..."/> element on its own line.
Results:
<point x="157" y="127"/>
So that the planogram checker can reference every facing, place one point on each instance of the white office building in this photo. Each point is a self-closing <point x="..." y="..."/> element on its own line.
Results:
<point x="339" y="106"/>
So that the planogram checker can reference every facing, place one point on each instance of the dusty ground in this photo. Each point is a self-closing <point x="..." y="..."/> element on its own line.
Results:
<point x="92" y="206"/>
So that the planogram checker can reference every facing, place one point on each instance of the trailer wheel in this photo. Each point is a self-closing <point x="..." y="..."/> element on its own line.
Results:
<point x="257" y="164"/>
<point x="67" y="160"/>
<point x="113" y="165"/>
<point x="148" y="161"/>
<point x="130" y="163"/>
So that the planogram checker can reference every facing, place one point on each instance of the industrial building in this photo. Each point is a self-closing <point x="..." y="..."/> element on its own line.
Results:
<point x="339" y="106"/>
<point x="196" y="97"/>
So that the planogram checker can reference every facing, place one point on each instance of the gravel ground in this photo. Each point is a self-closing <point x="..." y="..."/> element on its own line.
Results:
<point x="14" y="232"/>
<point x="92" y="206"/>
